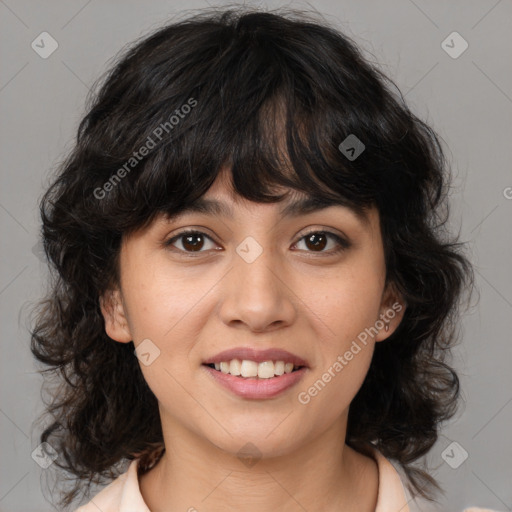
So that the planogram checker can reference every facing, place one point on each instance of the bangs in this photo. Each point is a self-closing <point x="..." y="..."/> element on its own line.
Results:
<point x="277" y="148"/>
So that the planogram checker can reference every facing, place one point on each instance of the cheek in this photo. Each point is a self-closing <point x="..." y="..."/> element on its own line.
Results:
<point x="161" y="300"/>
<point x="168" y="309"/>
<point x="342" y="311"/>
<point x="344" y="347"/>
<point x="346" y="303"/>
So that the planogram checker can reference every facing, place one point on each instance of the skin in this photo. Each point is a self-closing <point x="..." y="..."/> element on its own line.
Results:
<point x="311" y="302"/>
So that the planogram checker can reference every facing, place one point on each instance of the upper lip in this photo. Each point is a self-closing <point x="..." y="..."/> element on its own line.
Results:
<point x="256" y="355"/>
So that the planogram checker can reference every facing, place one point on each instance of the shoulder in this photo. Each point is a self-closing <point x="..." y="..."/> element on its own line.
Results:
<point x="391" y="493"/>
<point x="417" y="503"/>
<point x="121" y="491"/>
<point x="108" y="499"/>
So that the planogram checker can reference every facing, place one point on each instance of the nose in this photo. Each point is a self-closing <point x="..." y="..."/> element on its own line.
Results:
<point x="258" y="294"/>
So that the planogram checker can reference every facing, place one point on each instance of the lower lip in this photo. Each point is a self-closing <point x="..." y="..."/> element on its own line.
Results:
<point x="256" y="388"/>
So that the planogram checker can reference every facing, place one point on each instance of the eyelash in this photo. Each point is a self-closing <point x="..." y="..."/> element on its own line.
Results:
<point x="343" y="244"/>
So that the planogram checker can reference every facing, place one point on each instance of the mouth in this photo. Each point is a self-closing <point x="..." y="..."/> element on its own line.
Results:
<point x="247" y="369"/>
<point x="256" y="374"/>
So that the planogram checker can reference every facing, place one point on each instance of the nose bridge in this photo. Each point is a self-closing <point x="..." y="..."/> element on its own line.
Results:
<point x="257" y="267"/>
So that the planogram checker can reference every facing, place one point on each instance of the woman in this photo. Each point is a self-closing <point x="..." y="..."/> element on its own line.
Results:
<point x="255" y="292"/>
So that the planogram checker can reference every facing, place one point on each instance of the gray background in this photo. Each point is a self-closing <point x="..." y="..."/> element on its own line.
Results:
<point x="468" y="100"/>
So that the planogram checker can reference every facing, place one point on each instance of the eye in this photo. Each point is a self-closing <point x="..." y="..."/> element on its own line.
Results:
<point x="191" y="240"/>
<point x="319" y="239"/>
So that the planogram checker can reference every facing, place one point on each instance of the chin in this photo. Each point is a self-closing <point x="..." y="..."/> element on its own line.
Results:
<point x="256" y="442"/>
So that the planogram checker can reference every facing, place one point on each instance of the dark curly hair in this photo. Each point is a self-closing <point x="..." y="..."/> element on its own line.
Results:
<point x="272" y="95"/>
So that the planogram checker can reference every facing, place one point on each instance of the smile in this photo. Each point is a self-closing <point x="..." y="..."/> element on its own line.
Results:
<point x="248" y="369"/>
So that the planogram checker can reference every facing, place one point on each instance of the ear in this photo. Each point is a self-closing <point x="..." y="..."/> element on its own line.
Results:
<point x="116" y="323"/>
<point x="391" y="313"/>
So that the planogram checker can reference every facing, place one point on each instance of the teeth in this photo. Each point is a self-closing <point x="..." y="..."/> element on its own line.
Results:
<point x="246" y="368"/>
<point x="266" y="370"/>
<point x="249" y="369"/>
<point x="235" y="367"/>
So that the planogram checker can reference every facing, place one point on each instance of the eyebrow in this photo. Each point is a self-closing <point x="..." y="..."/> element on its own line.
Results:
<point x="293" y="209"/>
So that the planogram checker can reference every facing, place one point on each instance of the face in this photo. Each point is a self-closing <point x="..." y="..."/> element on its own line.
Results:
<point x="308" y="284"/>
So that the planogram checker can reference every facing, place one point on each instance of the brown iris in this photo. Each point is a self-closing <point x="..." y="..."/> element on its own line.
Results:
<point x="190" y="242"/>
<point x="319" y="244"/>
